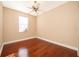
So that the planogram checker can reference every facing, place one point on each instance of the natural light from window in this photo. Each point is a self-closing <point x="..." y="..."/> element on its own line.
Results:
<point x="23" y="24"/>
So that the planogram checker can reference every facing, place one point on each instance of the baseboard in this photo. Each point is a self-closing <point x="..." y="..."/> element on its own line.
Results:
<point x="74" y="48"/>
<point x="1" y="49"/>
<point x="17" y="40"/>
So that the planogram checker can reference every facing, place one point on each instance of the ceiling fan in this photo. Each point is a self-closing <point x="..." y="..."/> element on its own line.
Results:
<point x="35" y="9"/>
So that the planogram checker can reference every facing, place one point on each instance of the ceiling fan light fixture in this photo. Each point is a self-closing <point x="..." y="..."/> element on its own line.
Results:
<point x="35" y="9"/>
<point x="34" y="13"/>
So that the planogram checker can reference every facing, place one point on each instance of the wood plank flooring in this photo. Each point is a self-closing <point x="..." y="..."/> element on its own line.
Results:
<point x="38" y="48"/>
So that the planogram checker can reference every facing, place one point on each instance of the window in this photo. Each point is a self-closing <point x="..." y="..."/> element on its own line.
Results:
<point x="23" y="24"/>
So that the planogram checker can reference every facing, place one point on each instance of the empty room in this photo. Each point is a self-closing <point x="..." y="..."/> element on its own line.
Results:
<point x="39" y="28"/>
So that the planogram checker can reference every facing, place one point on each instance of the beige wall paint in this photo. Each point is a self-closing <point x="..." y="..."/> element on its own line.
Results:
<point x="11" y="29"/>
<point x="78" y="29"/>
<point x="60" y="24"/>
<point x="1" y="24"/>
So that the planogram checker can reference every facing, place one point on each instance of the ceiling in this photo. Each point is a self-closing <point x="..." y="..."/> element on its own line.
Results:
<point x="25" y="6"/>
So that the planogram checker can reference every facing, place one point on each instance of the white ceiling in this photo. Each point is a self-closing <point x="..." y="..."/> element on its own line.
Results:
<point x="24" y="6"/>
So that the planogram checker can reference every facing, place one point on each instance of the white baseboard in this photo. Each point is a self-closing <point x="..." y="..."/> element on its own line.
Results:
<point x="74" y="48"/>
<point x="1" y="48"/>
<point x="17" y="40"/>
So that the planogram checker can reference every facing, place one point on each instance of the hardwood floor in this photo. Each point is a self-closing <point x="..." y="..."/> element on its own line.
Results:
<point x="38" y="48"/>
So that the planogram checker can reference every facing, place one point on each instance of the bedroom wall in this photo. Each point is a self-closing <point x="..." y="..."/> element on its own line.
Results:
<point x="11" y="27"/>
<point x="1" y="24"/>
<point x="60" y="24"/>
<point x="78" y="33"/>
